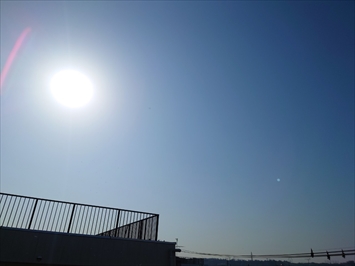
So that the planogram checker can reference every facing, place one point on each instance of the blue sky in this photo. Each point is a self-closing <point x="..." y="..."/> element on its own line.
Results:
<point x="198" y="109"/>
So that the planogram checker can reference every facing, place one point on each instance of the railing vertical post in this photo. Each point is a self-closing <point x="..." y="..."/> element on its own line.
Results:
<point x="145" y="229"/>
<point x="71" y="218"/>
<point x="156" y="228"/>
<point x="33" y="212"/>
<point x="140" y="229"/>
<point x="117" y="222"/>
<point x="129" y="225"/>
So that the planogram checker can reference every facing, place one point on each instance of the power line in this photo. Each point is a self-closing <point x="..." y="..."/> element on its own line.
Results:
<point x="328" y="254"/>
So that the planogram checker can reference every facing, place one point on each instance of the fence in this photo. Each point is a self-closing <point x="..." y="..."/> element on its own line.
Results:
<point x="67" y="217"/>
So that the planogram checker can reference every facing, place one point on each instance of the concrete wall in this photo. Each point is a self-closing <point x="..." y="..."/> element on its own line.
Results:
<point x="19" y="246"/>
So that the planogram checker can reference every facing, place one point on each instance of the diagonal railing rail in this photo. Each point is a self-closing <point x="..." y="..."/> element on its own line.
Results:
<point x="67" y="217"/>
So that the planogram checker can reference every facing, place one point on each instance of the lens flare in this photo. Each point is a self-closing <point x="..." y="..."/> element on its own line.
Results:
<point x="12" y="56"/>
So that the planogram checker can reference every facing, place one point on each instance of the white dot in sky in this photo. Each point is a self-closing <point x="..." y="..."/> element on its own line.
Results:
<point x="278" y="180"/>
<point x="71" y="88"/>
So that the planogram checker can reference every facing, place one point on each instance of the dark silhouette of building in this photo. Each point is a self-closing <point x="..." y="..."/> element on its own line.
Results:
<point x="37" y="231"/>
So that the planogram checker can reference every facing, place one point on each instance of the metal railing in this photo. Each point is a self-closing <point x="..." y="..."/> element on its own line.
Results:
<point x="67" y="217"/>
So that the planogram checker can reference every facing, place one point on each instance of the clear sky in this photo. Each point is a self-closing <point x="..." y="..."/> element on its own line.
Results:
<point x="199" y="108"/>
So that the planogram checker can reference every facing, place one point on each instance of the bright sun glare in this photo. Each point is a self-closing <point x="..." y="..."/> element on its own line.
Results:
<point x="71" y="88"/>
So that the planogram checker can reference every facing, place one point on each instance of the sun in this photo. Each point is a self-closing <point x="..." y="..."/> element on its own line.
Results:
<point x="71" y="88"/>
